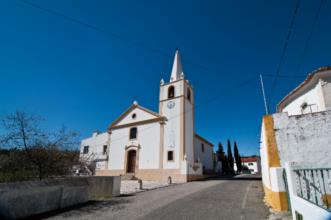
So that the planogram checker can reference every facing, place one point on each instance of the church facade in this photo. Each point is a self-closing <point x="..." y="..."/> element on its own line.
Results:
<point x="159" y="146"/>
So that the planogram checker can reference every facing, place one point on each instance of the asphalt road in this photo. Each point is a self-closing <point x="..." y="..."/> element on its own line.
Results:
<point x="233" y="198"/>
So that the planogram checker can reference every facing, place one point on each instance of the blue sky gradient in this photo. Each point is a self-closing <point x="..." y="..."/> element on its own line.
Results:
<point x="81" y="77"/>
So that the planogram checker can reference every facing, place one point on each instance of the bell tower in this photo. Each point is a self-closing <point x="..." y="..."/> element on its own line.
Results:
<point x="177" y="105"/>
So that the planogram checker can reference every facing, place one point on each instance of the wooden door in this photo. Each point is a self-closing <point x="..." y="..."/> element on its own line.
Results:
<point x="131" y="161"/>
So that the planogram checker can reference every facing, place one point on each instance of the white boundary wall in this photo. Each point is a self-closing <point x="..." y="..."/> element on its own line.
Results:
<point x="308" y="210"/>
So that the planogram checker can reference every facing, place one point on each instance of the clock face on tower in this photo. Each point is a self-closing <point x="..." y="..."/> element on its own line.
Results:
<point x="171" y="104"/>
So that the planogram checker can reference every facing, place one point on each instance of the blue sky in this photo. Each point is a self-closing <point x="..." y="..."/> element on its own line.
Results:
<point x="83" y="78"/>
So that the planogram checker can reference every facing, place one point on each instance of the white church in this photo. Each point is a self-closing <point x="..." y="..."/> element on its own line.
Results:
<point x="155" y="146"/>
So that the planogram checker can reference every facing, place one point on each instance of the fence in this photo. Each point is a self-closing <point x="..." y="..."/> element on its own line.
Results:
<point x="309" y="191"/>
<point x="314" y="185"/>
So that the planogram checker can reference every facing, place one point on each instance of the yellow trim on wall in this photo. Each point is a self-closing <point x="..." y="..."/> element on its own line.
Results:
<point x="277" y="200"/>
<point x="271" y="144"/>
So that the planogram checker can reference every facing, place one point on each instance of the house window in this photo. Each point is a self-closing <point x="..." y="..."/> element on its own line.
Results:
<point x="134" y="116"/>
<point x="188" y="94"/>
<point x="250" y="164"/>
<point x="171" y="92"/>
<point x="85" y="150"/>
<point x="202" y="148"/>
<point x="133" y="133"/>
<point x="170" y="155"/>
<point x="104" y="151"/>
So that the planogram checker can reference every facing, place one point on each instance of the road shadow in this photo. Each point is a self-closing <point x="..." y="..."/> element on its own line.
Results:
<point x="84" y="208"/>
<point x="248" y="177"/>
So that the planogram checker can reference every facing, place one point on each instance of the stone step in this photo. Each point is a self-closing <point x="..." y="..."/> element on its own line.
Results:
<point x="129" y="176"/>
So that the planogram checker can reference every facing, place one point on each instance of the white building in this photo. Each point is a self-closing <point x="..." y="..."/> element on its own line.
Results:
<point x="253" y="164"/>
<point x="154" y="146"/>
<point x="299" y="133"/>
<point x="313" y="95"/>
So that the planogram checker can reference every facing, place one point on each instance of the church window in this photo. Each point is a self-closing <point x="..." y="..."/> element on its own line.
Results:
<point x="134" y="115"/>
<point x="85" y="150"/>
<point x="202" y="148"/>
<point x="188" y="94"/>
<point x="171" y="92"/>
<point x="104" y="151"/>
<point x="170" y="155"/>
<point x="133" y="133"/>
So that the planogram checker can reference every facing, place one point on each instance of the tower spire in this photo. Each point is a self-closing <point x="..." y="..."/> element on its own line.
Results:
<point x="177" y="68"/>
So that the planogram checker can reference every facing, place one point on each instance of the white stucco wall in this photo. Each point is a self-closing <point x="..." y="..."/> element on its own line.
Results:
<point x="95" y="144"/>
<point x="179" y="89"/>
<point x="172" y="138"/>
<point x="189" y="132"/>
<point x="206" y="157"/>
<point x="305" y="138"/>
<point x="140" y="116"/>
<point x="326" y="87"/>
<point x="311" y="96"/>
<point x="148" y="138"/>
<point x="264" y="159"/>
<point x="308" y="210"/>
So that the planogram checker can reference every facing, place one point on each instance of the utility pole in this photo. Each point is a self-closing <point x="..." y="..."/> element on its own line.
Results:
<point x="264" y="97"/>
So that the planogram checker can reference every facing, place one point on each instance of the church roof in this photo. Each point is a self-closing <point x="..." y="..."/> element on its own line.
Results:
<point x="177" y="68"/>
<point x="157" y="117"/>
<point x="203" y="139"/>
<point x="249" y="159"/>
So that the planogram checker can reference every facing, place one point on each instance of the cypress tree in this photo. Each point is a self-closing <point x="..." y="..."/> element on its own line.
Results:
<point x="237" y="157"/>
<point x="230" y="157"/>
<point x="221" y="157"/>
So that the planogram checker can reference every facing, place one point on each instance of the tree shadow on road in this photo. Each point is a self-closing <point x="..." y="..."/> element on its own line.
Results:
<point x="86" y="208"/>
<point x="234" y="178"/>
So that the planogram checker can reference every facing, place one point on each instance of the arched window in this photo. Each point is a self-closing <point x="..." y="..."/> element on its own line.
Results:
<point x="188" y="94"/>
<point x="171" y="92"/>
<point x="133" y="133"/>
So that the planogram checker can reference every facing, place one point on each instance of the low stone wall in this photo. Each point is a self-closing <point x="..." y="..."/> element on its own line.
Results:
<point x="23" y="199"/>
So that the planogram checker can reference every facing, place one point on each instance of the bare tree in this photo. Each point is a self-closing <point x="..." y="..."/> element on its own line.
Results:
<point x="47" y="153"/>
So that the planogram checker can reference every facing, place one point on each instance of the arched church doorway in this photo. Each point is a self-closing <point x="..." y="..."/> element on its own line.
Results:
<point x="131" y="161"/>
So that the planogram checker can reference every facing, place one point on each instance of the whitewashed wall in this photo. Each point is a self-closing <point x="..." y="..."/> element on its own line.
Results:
<point x="179" y="89"/>
<point x="326" y="87"/>
<point x="172" y="134"/>
<point x="264" y="159"/>
<point x="189" y="132"/>
<point x="206" y="157"/>
<point x="308" y="210"/>
<point x="304" y="138"/>
<point x="140" y="116"/>
<point x="148" y="137"/>
<point x="311" y="95"/>
<point x="95" y="144"/>
<point x="252" y="166"/>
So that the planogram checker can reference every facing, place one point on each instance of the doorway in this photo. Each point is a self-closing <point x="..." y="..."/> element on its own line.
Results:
<point x="131" y="162"/>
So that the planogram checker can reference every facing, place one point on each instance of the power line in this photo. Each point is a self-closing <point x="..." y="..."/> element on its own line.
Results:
<point x="309" y="36"/>
<point x="114" y="35"/>
<point x="95" y="28"/>
<point x="286" y="76"/>
<point x="109" y="34"/>
<point x="290" y="30"/>
<point x="233" y="89"/>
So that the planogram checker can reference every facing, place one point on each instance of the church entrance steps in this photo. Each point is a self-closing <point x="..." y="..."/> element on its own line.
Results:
<point x="128" y="176"/>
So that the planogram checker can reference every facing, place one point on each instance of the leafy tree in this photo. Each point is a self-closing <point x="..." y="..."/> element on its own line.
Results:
<point x="230" y="157"/>
<point x="237" y="157"/>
